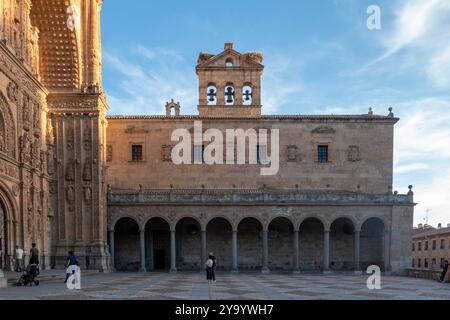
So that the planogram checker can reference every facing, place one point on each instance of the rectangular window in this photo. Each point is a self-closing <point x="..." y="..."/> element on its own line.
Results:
<point x="434" y="244"/>
<point x="414" y="247"/>
<point x="322" y="153"/>
<point x="419" y="248"/>
<point x="198" y="153"/>
<point x="413" y="263"/>
<point x="419" y="263"/>
<point x="433" y="263"/>
<point x="425" y="263"/>
<point x="261" y="153"/>
<point x="136" y="152"/>
<point x="442" y="244"/>
<point x="426" y="245"/>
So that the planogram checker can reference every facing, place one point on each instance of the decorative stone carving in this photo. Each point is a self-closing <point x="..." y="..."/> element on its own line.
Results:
<point x="53" y="187"/>
<point x="50" y="161"/>
<point x="36" y="153"/>
<point x="25" y="151"/>
<point x="353" y="154"/>
<point x="7" y="129"/>
<point x="166" y="153"/>
<point x="26" y="112"/>
<point x="203" y="57"/>
<point x="13" y="92"/>
<point x="172" y="216"/>
<point x="88" y="195"/>
<point x="87" y="136"/>
<point x="70" y="171"/>
<point x="50" y="132"/>
<point x="16" y="190"/>
<point x="255" y="56"/>
<point x="109" y="153"/>
<point x="37" y="120"/>
<point x="70" y="136"/>
<point x="292" y="153"/>
<point x="87" y="170"/>
<point x="324" y="130"/>
<point x="30" y="215"/>
<point x="70" y="196"/>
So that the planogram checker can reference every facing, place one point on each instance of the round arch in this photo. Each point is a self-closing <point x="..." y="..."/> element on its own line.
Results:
<point x="281" y="244"/>
<point x="371" y="238"/>
<point x="188" y="243"/>
<point x="219" y="233"/>
<point x="249" y="232"/>
<point x="126" y="244"/>
<point x="311" y="231"/>
<point x="8" y="225"/>
<point x="237" y="224"/>
<point x="308" y="217"/>
<point x="350" y="218"/>
<point x="157" y="243"/>
<point x="342" y="244"/>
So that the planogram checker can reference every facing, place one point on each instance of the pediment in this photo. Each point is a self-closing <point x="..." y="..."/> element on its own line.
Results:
<point x="248" y="60"/>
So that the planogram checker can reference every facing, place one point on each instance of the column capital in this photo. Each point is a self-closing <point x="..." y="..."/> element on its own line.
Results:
<point x="326" y="230"/>
<point x="142" y="230"/>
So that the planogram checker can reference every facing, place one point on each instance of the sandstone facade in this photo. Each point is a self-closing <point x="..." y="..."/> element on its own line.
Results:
<point x="73" y="179"/>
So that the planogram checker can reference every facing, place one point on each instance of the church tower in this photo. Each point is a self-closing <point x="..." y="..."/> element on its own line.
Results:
<point x="230" y="83"/>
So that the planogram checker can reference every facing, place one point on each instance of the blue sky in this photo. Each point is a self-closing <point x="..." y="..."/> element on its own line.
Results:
<point x="319" y="57"/>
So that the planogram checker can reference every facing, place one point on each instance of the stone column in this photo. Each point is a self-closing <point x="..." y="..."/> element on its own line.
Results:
<point x="358" y="252"/>
<point x="142" y="247"/>
<point x="151" y="258"/>
<point x="203" y="258"/>
<point x="234" y="267"/>
<point x="173" y="253"/>
<point x="111" y="248"/>
<point x="296" y="252"/>
<point x="265" y="252"/>
<point x="326" y="251"/>
<point x="386" y="250"/>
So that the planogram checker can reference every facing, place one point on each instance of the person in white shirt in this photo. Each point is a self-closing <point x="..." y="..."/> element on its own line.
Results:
<point x="19" y="259"/>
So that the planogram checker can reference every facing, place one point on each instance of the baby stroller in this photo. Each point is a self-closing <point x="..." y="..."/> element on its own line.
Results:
<point x="29" y="276"/>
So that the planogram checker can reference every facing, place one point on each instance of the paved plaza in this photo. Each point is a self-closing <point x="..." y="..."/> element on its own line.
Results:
<point x="240" y="286"/>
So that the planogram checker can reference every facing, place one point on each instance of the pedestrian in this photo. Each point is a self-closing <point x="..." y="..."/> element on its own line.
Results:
<point x="19" y="259"/>
<point x="71" y="265"/>
<point x="214" y="266"/>
<point x="209" y="268"/>
<point x="444" y="271"/>
<point x="34" y="254"/>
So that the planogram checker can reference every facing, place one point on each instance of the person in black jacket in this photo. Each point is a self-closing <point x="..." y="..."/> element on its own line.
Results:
<point x="444" y="271"/>
<point x="214" y="266"/>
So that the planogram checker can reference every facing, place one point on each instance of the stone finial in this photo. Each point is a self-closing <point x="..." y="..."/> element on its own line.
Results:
<point x="391" y="114"/>
<point x="410" y="192"/>
<point x="173" y="105"/>
<point x="229" y="46"/>
<point x="370" y="111"/>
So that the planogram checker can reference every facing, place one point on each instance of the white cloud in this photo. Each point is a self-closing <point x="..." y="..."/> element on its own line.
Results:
<point x="410" y="167"/>
<point x="422" y="156"/>
<point x="422" y="30"/>
<point x="145" y="88"/>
